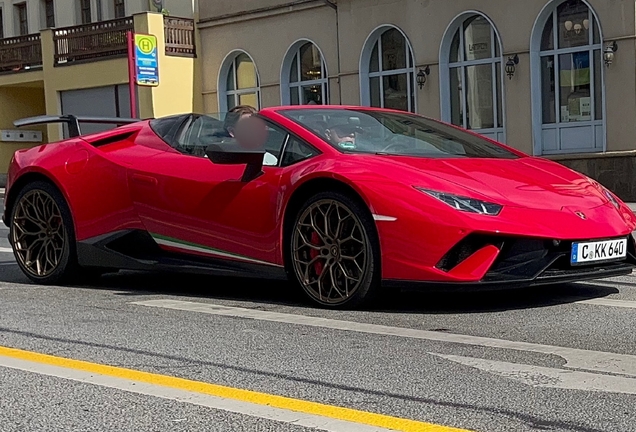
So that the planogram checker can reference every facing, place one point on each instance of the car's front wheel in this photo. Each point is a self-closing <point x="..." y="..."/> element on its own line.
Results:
<point x="41" y="233"/>
<point x="335" y="251"/>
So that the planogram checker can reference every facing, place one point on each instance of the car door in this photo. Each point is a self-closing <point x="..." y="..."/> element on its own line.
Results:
<point x="192" y="205"/>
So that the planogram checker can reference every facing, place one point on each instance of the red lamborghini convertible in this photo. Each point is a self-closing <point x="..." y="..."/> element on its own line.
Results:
<point x="341" y="200"/>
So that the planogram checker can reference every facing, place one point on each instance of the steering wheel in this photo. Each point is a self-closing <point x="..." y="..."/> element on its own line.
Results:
<point x="391" y="146"/>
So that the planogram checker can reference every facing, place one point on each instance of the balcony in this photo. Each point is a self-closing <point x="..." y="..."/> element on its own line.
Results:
<point x="20" y="53"/>
<point x="91" y="42"/>
<point x="179" y="36"/>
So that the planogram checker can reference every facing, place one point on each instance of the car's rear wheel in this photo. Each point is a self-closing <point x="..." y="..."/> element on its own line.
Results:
<point x="334" y="251"/>
<point x="41" y="233"/>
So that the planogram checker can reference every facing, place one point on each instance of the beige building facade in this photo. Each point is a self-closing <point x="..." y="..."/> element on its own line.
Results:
<point x="553" y="78"/>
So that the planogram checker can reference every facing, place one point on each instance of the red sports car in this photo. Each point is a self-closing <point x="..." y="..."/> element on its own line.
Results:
<point x="342" y="200"/>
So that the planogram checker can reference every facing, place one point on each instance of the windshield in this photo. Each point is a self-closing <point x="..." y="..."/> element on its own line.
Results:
<point x="368" y="131"/>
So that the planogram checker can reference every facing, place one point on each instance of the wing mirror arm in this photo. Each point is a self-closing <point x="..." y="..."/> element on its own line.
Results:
<point x="252" y="171"/>
<point x="231" y="154"/>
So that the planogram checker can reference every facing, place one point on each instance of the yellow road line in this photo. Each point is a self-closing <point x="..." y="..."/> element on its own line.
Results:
<point x="281" y="402"/>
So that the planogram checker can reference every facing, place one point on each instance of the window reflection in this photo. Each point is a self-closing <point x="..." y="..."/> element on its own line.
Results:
<point x="391" y="76"/>
<point x="307" y="76"/>
<point x="575" y="73"/>
<point x="476" y="100"/>
<point x="241" y="83"/>
<point x="393" y="50"/>
<point x="457" y="100"/>
<point x="573" y="20"/>
<point x="575" y="97"/>
<point x="479" y="107"/>
<point x="547" y="90"/>
<point x="477" y="39"/>
<point x="245" y="72"/>
<point x="396" y="92"/>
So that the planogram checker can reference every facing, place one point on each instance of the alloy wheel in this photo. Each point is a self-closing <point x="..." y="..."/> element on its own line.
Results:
<point x="330" y="251"/>
<point x="38" y="234"/>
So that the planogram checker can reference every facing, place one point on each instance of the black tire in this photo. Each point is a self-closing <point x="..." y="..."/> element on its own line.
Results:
<point x="366" y="271"/>
<point x="66" y="268"/>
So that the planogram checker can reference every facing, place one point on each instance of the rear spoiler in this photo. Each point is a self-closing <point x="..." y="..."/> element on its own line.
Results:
<point x="72" y="121"/>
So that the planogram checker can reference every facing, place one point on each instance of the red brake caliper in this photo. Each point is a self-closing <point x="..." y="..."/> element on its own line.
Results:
<point x="318" y="265"/>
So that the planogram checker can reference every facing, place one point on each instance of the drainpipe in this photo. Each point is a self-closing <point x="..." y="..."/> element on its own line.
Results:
<point x="334" y="6"/>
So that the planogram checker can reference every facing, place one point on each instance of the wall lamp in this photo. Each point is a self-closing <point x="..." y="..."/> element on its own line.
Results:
<point x="608" y="53"/>
<point x="421" y="76"/>
<point x="511" y="65"/>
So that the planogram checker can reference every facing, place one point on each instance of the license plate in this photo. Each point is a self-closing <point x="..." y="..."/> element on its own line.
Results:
<point x="594" y="251"/>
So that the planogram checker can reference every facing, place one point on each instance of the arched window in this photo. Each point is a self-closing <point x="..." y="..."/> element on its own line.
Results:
<point x="387" y="77"/>
<point x="304" y="76"/>
<point x="471" y="66"/>
<point x="567" y="80"/>
<point x="238" y="82"/>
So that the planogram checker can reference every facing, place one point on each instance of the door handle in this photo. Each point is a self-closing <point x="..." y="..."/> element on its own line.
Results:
<point x="144" y="179"/>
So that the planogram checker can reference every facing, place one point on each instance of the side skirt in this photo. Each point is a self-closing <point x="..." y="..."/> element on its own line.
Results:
<point x="138" y="250"/>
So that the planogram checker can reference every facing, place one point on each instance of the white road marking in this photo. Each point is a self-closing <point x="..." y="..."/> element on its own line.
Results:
<point x="6" y="249"/>
<point x="596" y="361"/>
<point x="538" y="376"/>
<point x="215" y="402"/>
<point x="609" y="302"/>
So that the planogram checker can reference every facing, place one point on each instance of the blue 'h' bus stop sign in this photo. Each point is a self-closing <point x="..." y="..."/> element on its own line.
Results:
<point x="146" y="61"/>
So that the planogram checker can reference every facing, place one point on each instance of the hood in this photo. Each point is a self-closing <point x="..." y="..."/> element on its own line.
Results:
<point x="524" y="182"/>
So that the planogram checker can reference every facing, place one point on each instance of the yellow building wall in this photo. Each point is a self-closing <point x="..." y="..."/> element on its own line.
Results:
<point x="34" y="77"/>
<point x="17" y="103"/>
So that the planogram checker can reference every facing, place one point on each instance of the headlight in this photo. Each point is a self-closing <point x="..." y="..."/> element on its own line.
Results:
<point x="465" y="204"/>
<point x="610" y="196"/>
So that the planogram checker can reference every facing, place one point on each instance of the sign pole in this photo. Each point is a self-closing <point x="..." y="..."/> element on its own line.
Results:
<point x="131" y="75"/>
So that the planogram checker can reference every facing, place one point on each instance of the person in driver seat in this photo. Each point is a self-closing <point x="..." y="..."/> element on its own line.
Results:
<point x="343" y="135"/>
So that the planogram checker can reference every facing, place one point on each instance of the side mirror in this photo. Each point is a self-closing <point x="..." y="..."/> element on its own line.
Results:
<point x="231" y="154"/>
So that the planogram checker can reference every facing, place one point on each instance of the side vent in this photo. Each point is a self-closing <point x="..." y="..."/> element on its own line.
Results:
<point x="111" y="139"/>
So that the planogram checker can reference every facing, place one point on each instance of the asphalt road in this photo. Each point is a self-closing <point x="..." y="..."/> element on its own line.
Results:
<point x="550" y="359"/>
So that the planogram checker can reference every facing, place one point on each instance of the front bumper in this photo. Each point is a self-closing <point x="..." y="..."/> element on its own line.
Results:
<point x="550" y="278"/>
<point x="521" y="262"/>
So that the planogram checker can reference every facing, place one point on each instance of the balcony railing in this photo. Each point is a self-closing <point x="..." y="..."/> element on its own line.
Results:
<point x="105" y="39"/>
<point x="179" y="34"/>
<point x="20" y="53"/>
